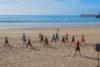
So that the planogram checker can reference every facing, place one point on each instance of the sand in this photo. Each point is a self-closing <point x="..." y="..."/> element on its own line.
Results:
<point x="53" y="56"/>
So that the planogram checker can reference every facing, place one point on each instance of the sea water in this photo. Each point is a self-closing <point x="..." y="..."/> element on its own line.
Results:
<point x="30" y="21"/>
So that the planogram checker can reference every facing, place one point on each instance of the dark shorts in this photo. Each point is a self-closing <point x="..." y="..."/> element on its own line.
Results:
<point x="63" y="41"/>
<point x="66" y="38"/>
<point x="73" y="40"/>
<point x="82" y="40"/>
<point x="6" y="41"/>
<point x="77" y="48"/>
<point x="41" y="39"/>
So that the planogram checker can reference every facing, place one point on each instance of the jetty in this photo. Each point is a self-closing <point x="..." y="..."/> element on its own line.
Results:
<point x="90" y="15"/>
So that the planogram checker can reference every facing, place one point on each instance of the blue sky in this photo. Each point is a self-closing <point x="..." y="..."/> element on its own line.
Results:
<point x="49" y="7"/>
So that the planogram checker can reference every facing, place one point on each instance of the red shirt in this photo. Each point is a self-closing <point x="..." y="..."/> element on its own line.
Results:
<point x="82" y="37"/>
<point x="78" y="44"/>
<point x="6" y="39"/>
<point x="66" y="35"/>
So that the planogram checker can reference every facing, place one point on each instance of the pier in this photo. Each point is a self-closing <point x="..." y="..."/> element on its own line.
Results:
<point x="90" y="15"/>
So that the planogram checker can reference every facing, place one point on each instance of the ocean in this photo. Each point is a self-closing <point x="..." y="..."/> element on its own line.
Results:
<point x="30" y="21"/>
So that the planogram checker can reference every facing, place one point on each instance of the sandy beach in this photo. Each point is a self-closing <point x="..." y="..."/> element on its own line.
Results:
<point x="53" y="56"/>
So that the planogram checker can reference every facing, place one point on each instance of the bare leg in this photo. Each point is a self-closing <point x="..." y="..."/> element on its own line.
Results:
<point x="27" y="45"/>
<point x="80" y="53"/>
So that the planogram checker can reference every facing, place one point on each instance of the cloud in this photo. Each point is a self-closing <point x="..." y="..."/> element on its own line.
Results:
<point x="42" y="7"/>
<point x="73" y="1"/>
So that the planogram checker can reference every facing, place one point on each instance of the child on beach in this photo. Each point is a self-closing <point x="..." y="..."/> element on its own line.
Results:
<point x="78" y="47"/>
<point x="83" y="39"/>
<point x="53" y="38"/>
<point x="57" y="36"/>
<point x="29" y="43"/>
<point x="46" y="42"/>
<point x="63" y="40"/>
<point x="6" y="41"/>
<point x="24" y="38"/>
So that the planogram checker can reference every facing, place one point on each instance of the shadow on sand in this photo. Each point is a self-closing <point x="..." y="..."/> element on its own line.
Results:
<point x="52" y="47"/>
<point x="91" y="58"/>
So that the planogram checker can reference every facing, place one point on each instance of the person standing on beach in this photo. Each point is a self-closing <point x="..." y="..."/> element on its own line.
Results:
<point x="57" y="36"/>
<point x="63" y="40"/>
<point x="29" y="43"/>
<point x="57" y="29"/>
<point x="24" y="38"/>
<point x="41" y="38"/>
<point x="53" y="38"/>
<point x="78" y="48"/>
<point x="67" y="37"/>
<point x="83" y="39"/>
<point x="46" y="42"/>
<point x="39" y="35"/>
<point x="6" y="41"/>
<point x="73" y="39"/>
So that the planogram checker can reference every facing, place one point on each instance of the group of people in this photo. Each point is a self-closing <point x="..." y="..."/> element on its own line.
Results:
<point x="55" y="38"/>
<point x="45" y="41"/>
<point x="28" y="43"/>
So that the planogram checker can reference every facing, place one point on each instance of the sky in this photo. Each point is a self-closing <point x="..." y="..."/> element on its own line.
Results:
<point x="49" y="7"/>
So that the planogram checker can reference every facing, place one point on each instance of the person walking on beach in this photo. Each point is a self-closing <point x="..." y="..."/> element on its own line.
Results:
<point x="6" y="41"/>
<point x="67" y="37"/>
<point x="78" y="48"/>
<point x="83" y="39"/>
<point x="46" y="42"/>
<point x="29" y="43"/>
<point x="57" y="36"/>
<point x="63" y="41"/>
<point x="41" y="38"/>
<point x="53" y="38"/>
<point x="24" y="38"/>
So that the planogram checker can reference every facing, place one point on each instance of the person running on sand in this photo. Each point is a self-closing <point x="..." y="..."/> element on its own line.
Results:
<point x="78" y="48"/>
<point x="46" y="42"/>
<point x="24" y="38"/>
<point x="53" y="38"/>
<point x="41" y="38"/>
<point x="83" y="39"/>
<point x="57" y="36"/>
<point x="6" y="41"/>
<point x="63" y="40"/>
<point x="29" y="43"/>
<point x="66" y="37"/>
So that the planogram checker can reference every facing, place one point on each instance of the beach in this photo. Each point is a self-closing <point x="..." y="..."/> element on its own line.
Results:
<point x="53" y="56"/>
